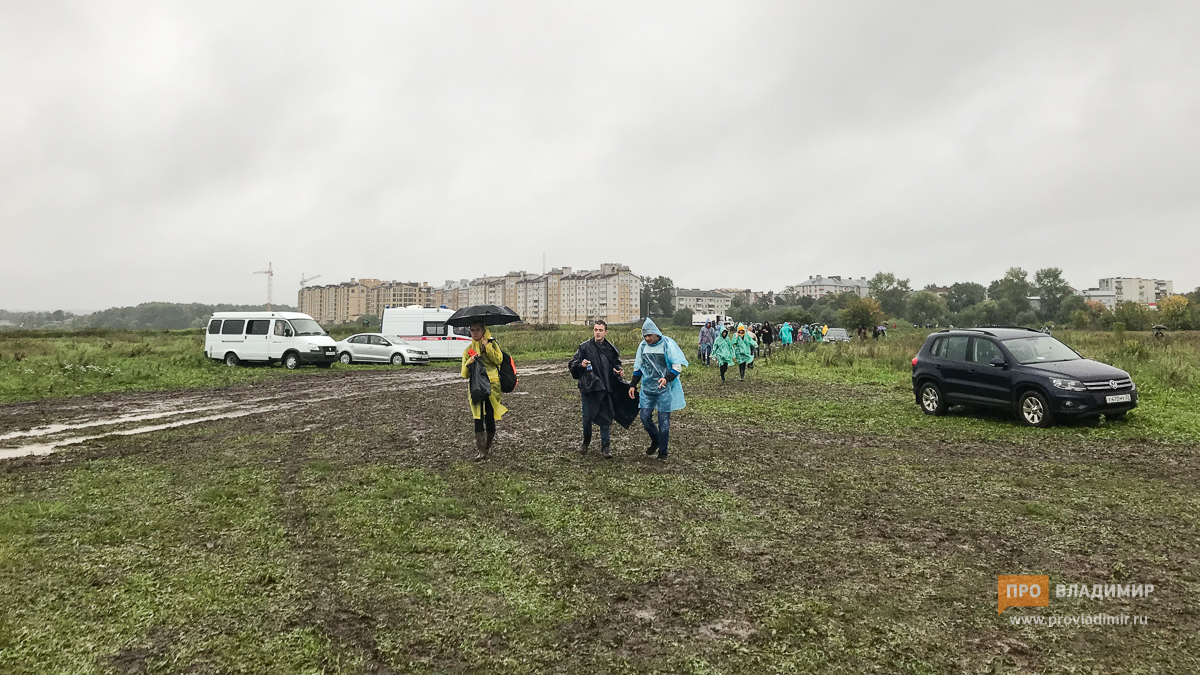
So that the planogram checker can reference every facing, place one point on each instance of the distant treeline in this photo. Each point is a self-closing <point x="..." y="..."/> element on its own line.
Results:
<point x="146" y="316"/>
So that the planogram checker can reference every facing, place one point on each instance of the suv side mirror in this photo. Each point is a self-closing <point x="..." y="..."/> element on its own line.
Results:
<point x="999" y="362"/>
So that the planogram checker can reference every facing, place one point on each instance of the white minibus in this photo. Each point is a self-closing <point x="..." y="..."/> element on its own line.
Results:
<point x="289" y="337"/>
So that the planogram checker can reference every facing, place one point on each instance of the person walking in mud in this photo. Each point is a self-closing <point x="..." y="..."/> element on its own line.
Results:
<point x="743" y="350"/>
<point x="597" y="367"/>
<point x="659" y="362"/>
<point x="708" y="335"/>
<point x="488" y="411"/>
<point x="767" y="335"/>
<point x="723" y="351"/>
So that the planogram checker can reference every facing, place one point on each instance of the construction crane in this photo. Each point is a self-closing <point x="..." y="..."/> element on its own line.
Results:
<point x="270" y="283"/>
<point x="305" y="280"/>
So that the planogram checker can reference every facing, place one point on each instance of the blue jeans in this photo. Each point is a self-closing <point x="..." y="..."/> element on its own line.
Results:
<point x="587" y="431"/>
<point x="658" y="436"/>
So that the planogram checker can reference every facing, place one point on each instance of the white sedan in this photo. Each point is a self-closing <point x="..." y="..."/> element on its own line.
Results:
<point x="377" y="348"/>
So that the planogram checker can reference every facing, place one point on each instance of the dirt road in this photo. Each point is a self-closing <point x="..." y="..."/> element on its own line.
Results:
<point x="44" y="427"/>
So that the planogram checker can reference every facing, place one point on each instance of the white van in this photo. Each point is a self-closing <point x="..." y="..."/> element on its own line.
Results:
<point x="425" y="328"/>
<point x="290" y="337"/>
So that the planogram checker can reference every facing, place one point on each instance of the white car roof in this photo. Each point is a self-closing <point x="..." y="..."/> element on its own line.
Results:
<point x="260" y="315"/>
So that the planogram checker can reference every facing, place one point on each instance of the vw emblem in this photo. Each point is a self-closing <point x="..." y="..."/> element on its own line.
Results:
<point x="1112" y="384"/>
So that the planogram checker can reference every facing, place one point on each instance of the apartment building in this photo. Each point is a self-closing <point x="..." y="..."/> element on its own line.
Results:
<point x="702" y="302"/>
<point x="562" y="295"/>
<point x="349" y="300"/>
<point x="1131" y="289"/>
<point x="819" y="286"/>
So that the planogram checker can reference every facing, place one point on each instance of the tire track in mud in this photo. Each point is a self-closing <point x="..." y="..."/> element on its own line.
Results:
<point x="70" y="422"/>
<point x="327" y="609"/>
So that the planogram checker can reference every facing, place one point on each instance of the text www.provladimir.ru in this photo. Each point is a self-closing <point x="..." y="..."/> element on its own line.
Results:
<point x="1077" y="620"/>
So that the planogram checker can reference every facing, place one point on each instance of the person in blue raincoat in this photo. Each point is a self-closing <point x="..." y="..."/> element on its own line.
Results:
<point x="659" y="362"/>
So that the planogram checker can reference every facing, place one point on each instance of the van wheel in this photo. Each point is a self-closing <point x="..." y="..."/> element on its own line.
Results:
<point x="291" y="361"/>
<point x="1033" y="410"/>
<point x="397" y="359"/>
<point x="346" y="358"/>
<point x="231" y="359"/>
<point x="932" y="401"/>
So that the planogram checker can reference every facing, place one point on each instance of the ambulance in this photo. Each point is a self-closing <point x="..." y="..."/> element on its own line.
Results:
<point x="426" y="328"/>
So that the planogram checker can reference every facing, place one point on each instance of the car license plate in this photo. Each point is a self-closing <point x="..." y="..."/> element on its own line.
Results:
<point x="1119" y="398"/>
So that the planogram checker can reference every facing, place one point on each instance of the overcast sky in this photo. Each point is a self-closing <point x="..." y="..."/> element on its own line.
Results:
<point x="167" y="150"/>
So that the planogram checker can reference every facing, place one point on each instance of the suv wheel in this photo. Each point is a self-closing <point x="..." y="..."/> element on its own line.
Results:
<point x="291" y="361"/>
<point x="932" y="402"/>
<point x="231" y="359"/>
<point x="346" y="359"/>
<point x="397" y="359"/>
<point x="1033" y="410"/>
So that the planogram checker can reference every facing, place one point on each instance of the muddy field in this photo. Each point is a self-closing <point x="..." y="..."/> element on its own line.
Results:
<point x="338" y="528"/>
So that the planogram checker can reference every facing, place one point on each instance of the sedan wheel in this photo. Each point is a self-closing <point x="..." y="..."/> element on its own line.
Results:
<point x="346" y="358"/>
<point x="1033" y="410"/>
<point x="397" y="359"/>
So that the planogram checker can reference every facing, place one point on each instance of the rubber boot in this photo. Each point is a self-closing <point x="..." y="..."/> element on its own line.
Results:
<point x="481" y="445"/>
<point x="583" y="448"/>
<point x="491" y="436"/>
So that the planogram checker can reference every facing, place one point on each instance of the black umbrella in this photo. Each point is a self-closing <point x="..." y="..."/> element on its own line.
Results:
<point x="488" y="315"/>
<point x="1159" y="327"/>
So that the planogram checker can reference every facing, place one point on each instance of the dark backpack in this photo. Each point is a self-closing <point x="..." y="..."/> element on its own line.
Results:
<point x="508" y="372"/>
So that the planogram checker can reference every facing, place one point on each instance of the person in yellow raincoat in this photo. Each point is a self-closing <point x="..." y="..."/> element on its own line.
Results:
<point x="490" y="409"/>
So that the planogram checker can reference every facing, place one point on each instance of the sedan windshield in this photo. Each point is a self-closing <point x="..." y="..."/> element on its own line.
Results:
<point x="1042" y="349"/>
<point x="307" y="327"/>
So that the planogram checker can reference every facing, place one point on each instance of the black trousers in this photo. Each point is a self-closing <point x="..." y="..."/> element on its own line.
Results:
<point x="742" y="370"/>
<point x="487" y="419"/>
<point x="724" y="367"/>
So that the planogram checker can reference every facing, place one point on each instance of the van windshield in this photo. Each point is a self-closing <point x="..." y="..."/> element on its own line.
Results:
<point x="307" y="327"/>
<point x="1042" y="349"/>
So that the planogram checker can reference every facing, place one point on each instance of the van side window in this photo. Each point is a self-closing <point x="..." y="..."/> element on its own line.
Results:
<point x="214" y="327"/>
<point x="233" y="327"/>
<point x="258" y="326"/>
<point x="434" y="328"/>
<point x="281" y="328"/>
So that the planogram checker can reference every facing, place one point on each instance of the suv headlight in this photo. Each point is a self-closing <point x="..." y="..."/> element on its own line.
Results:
<point x="1070" y="385"/>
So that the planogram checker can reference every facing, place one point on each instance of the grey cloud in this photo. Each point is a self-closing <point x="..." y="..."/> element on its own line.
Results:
<point x="164" y="152"/>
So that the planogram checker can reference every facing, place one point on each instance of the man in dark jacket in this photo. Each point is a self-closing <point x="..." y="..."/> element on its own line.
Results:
<point x="597" y="366"/>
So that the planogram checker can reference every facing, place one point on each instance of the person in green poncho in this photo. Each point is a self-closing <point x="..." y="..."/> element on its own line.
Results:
<point x="723" y="351"/>
<point x="743" y="350"/>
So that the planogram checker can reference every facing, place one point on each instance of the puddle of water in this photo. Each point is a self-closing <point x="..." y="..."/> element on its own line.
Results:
<point x="59" y="428"/>
<point x="47" y="448"/>
<point x="342" y="392"/>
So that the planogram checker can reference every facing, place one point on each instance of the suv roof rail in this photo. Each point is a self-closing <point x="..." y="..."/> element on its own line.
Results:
<point x="969" y="330"/>
<point x="1033" y="330"/>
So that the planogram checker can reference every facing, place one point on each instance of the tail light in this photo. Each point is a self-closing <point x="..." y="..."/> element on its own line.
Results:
<point x="914" y="361"/>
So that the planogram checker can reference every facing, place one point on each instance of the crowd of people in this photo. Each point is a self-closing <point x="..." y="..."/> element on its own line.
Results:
<point x="606" y="396"/>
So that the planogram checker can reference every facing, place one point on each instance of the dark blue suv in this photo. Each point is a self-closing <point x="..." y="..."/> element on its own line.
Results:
<point x="1017" y="369"/>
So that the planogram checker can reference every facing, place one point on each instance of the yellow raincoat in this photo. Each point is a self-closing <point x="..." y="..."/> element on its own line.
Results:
<point x="492" y="357"/>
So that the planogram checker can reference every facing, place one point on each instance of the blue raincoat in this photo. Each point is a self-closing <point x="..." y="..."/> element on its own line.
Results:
<point x="651" y="363"/>
<point x="785" y="333"/>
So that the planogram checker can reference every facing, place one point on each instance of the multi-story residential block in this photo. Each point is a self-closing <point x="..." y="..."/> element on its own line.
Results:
<point x="819" y="286"/>
<point x="562" y="295"/>
<point x="1132" y="289"/>
<point x="349" y="300"/>
<point x="702" y="302"/>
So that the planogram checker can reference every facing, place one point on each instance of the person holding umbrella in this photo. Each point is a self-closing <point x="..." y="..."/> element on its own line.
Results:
<point x="659" y="361"/>
<point x="483" y="347"/>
